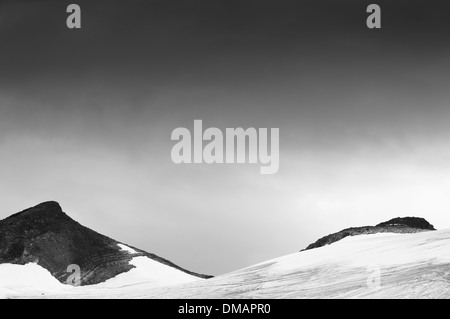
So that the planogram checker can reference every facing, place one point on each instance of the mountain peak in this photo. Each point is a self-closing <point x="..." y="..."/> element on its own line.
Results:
<point x="45" y="235"/>
<point x="45" y="209"/>
<point x="413" y="222"/>
<point x="395" y="225"/>
<point x="49" y="205"/>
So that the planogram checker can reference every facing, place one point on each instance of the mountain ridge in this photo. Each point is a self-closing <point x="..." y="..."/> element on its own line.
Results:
<point x="46" y="235"/>
<point x="397" y="225"/>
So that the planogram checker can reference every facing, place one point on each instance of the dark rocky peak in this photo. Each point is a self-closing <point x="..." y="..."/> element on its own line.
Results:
<point x="395" y="225"/>
<point x="43" y="218"/>
<point x="44" y="210"/>
<point x="44" y="234"/>
<point x="413" y="222"/>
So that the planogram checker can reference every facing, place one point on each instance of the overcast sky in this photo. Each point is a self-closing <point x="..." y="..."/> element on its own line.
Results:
<point x="86" y="117"/>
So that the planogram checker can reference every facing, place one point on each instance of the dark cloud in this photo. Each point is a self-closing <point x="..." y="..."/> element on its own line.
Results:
<point x="90" y="111"/>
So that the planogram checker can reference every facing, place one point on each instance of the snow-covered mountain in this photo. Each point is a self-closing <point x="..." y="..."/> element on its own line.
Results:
<point x="45" y="241"/>
<point x="372" y="265"/>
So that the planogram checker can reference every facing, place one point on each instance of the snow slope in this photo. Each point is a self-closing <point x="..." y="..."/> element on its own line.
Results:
<point x="27" y="280"/>
<point x="148" y="272"/>
<point x="32" y="280"/>
<point x="366" y="266"/>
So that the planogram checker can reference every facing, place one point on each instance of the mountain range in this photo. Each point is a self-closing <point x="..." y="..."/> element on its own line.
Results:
<point x="404" y="257"/>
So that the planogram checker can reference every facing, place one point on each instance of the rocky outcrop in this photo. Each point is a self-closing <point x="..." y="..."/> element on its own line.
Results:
<point x="395" y="225"/>
<point x="412" y="222"/>
<point x="47" y="236"/>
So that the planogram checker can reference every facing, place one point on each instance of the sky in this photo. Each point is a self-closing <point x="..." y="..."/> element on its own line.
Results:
<point x="86" y="117"/>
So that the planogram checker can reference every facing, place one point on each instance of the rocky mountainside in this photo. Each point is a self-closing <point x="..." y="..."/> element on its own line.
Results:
<point x="395" y="225"/>
<point x="47" y="236"/>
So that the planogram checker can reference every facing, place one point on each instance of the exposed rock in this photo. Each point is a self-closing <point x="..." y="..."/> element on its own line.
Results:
<point x="395" y="225"/>
<point x="413" y="222"/>
<point x="47" y="236"/>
